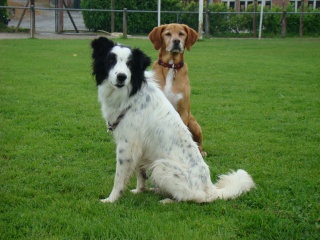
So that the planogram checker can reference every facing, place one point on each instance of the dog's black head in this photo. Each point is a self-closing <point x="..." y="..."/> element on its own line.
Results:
<point x="120" y="65"/>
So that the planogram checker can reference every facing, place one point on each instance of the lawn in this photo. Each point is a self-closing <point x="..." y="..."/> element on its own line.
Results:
<point x="258" y="102"/>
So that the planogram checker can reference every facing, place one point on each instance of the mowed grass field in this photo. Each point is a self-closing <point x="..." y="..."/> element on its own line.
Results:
<point x="258" y="102"/>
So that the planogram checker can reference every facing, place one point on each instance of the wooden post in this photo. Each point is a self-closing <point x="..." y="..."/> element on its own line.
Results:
<point x="124" y="23"/>
<point x="112" y="16"/>
<point x="284" y="24"/>
<point x="208" y="23"/>
<point x="32" y="19"/>
<point x="56" y="16"/>
<point x="283" y="21"/>
<point x="301" y="19"/>
<point x="207" y="28"/>
<point x="60" y="21"/>
<point x="254" y="26"/>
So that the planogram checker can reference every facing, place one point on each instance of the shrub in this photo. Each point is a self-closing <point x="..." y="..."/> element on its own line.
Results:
<point x="222" y="23"/>
<point x="189" y="18"/>
<point x="311" y="23"/>
<point x="272" y="21"/>
<point x="137" y="22"/>
<point x="219" y="23"/>
<point x="3" y="13"/>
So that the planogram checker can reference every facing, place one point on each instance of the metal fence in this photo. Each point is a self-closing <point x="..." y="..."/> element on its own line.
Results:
<point x="61" y="20"/>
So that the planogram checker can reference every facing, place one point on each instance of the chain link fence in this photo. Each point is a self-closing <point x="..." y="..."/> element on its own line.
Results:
<point x="70" y="20"/>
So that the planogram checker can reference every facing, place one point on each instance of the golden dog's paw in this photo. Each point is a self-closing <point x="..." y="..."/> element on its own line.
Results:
<point x="203" y="153"/>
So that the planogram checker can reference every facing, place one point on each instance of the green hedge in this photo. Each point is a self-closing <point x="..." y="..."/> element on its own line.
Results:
<point x="137" y="22"/>
<point x="3" y="13"/>
<point x="221" y="24"/>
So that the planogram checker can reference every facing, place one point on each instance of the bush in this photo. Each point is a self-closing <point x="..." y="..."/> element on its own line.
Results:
<point x="311" y="23"/>
<point x="96" y="20"/>
<point x="188" y="18"/>
<point x="3" y="14"/>
<point x="272" y="21"/>
<point x="221" y="24"/>
<point x="137" y="22"/>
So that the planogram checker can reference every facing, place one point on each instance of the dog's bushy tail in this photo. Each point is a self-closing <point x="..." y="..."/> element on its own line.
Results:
<point x="232" y="185"/>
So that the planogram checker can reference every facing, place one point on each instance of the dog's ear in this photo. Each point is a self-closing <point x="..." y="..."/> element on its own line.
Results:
<point x="101" y="47"/>
<point x="155" y="36"/>
<point x="192" y="36"/>
<point x="141" y="60"/>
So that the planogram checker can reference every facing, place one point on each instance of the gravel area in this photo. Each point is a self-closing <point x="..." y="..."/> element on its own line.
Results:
<point x="45" y="24"/>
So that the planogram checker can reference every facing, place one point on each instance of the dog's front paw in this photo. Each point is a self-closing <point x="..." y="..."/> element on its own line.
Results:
<point x="106" y="200"/>
<point x="167" y="200"/>
<point x="137" y="190"/>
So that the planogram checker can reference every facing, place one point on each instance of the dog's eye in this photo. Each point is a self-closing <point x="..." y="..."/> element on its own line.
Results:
<point x="129" y="63"/>
<point x="168" y="34"/>
<point x="181" y="34"/>
<point x="111" y="60"/>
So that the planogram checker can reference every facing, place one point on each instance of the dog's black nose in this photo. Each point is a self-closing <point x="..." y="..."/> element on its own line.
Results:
<point x="121" y="77"/>
<point x="176" y="41"/>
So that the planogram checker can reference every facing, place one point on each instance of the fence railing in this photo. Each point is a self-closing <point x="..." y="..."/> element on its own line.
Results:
<point x="59" y="23"/>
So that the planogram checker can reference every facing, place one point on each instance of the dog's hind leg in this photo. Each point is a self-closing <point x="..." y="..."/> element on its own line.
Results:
<point x="196" y="132"/>
<point x="173" y="179"/>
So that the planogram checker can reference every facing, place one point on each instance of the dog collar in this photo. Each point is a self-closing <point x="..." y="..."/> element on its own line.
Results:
<point x="113" y="126"/>
<point x="168" y="65"/>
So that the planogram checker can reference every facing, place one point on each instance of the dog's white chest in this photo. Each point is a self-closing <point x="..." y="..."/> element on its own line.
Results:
<point x="171" y="96"/>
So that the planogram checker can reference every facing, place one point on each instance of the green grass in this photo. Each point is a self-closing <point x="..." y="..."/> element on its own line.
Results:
<point x="258" y="102"/>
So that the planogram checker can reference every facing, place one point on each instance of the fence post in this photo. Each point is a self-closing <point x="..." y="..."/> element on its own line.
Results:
<point x="124" y="23"/>
<point x="60" y="20"/>
<point x="112" y="16"/>
<point x="208" y="23"/>
<point x="301" y="19"/>
<point x="284" y="24"/>
<point x="200" y="26"/>
<point x="32" y="19"/>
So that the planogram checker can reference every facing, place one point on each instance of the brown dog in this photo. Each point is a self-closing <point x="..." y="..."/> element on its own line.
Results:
<point x="172" y="73"/>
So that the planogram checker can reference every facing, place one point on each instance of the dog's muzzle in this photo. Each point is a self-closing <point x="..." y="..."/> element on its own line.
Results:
<point x="121" y="78"/>
<point x="176" y="47"/>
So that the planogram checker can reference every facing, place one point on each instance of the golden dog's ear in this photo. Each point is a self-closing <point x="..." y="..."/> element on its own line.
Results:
<point x="192" y="36"/>
<point x="155" y="36"/>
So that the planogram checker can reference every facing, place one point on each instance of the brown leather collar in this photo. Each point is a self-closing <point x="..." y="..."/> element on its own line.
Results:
<point x="113" y="126"/>
<point x="168" y="65"/>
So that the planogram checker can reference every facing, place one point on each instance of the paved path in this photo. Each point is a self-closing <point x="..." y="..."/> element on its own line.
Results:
<point x="45" y="22"/>
<point x="49" y="36"/>
<point x="45" y="25"/>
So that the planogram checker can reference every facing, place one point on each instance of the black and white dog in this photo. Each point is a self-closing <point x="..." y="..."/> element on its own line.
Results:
<point x="150" y="134"/>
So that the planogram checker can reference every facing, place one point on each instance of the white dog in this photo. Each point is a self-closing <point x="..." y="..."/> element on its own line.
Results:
<point x="150" y="134"/>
